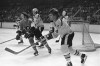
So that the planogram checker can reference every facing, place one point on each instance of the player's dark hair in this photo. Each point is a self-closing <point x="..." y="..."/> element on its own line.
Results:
<point x="25" y="14"/>
<point x="55" y="12"/>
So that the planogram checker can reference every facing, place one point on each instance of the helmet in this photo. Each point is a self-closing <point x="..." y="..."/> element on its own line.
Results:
<point x="63" y="13"/>
<point x="35" y="10"/>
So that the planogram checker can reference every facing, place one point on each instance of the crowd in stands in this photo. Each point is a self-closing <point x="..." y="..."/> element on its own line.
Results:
<point x="9" y="14"/>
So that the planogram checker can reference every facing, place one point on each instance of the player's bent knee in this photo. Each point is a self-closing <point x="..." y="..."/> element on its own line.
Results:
<point x="71" y="50"/>
<point x="64" y="49"/>
<point x="31" y="40"/>
<point x="67" y="56"/>
<point x="44" y="42"/>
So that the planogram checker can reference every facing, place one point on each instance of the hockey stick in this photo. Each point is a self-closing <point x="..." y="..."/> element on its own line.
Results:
<point x="14" y="52"/>
<point x="7" y="41"/>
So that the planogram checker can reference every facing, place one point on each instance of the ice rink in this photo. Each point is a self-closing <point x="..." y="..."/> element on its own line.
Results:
<point x="56" y="58"/>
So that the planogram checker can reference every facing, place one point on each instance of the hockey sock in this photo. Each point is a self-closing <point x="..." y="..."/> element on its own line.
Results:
<point x="34" y="47"/>
<point x="68" y="57"/>
<point x="49" y="49"/>
<point x="47" y="46"/>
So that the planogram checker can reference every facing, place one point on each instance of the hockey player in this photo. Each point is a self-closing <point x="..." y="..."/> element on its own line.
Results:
<point x="64" y="17"/>
<point x="24" y="27"/>
<point x="22" y="24"/>
<point x="42" y="39"/>
<point x="38" y="22"/>
<point x="64" y="30"/>
<point x="17" y="26"/>
<point x="29" y="32"/>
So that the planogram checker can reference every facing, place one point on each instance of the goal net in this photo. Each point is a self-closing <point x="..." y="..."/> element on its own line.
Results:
<point x="87" y="42"/>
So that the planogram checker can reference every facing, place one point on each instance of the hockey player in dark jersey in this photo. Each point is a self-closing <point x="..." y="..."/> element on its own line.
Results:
<point x="29" y="32"/>
<point x="22" y="24"/>
<point x="24" y="29"/>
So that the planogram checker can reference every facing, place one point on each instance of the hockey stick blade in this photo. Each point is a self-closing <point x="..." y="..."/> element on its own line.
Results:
<point x="11" y="51"/>
<point x="14" y="52"/>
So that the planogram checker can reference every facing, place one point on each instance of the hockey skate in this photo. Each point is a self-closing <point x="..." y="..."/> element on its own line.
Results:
<point x="36" y="53"/>
<point x="69" y="64"/>
<point x="49" y="50"/>
<point x="21" y="42"/>
<point x="83" y="58"/>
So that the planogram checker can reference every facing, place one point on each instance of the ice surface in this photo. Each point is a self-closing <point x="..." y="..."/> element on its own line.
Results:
<point x="27" y="58"/>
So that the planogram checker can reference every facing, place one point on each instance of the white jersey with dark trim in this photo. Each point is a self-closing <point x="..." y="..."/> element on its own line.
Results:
<point x="37" y="20"/>
<point x="62" y="27"/>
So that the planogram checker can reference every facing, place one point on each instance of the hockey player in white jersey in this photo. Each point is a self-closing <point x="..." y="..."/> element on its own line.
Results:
<point x="63" y="17"/>
<point x="37" y="20"/>
<point x="64" y="30"/>
<point x="66" y="17"/>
